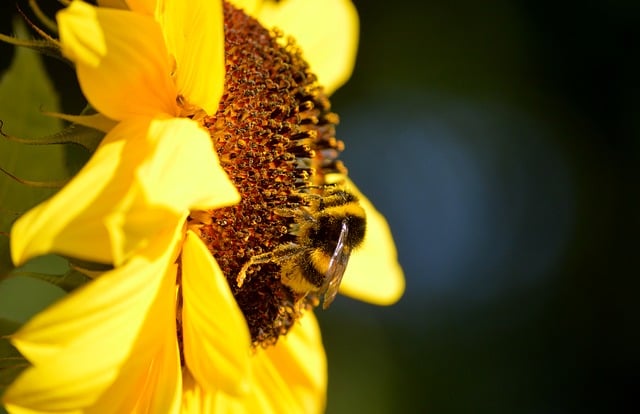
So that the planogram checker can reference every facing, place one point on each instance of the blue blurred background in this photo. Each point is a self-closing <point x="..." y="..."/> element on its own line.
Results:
<point x="501" y="140"/>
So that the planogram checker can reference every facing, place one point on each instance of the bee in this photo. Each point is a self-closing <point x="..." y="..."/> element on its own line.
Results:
<point x="326" y="231"/>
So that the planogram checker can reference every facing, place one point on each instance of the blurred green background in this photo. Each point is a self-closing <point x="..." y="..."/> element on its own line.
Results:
<point x="501" y="140"/>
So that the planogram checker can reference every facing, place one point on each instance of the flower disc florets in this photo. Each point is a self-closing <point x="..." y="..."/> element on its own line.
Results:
<point x="275" y="136"/>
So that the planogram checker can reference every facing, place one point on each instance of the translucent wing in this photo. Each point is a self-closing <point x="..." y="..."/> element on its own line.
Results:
<point x="337" y="267"/>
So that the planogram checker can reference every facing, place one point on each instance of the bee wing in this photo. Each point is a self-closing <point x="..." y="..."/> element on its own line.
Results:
<point x="337" y="267"/>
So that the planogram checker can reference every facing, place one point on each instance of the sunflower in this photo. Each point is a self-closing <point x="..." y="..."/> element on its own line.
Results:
<point x="215" y="125"/>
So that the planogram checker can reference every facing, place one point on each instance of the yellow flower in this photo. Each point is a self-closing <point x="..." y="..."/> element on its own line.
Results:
<point x="163" y="331"/>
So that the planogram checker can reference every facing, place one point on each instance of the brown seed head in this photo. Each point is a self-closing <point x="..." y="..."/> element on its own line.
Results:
<point x="275" y="136"/>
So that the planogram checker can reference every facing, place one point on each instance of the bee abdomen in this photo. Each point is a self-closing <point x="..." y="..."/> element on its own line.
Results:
<point x="313" y="265"/>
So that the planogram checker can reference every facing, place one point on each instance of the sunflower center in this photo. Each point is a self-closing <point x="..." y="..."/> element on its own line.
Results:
<point x="275" y="136"/>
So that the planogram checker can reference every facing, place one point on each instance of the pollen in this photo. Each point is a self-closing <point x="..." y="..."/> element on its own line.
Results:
<point x="274" y="133"/>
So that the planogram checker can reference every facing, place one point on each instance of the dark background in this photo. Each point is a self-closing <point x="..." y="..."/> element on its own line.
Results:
<point x="501" y="140"/>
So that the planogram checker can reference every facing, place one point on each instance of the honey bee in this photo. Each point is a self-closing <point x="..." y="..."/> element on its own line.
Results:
<point x="327" y="231"/>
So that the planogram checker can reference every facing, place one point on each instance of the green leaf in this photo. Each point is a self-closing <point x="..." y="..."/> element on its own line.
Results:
<point x="5" y="254"/>
<point x="23" y="297"/>
<point x="25" y="90"/>
<point x="11" y="362"/>
<point x="7" y="327"/>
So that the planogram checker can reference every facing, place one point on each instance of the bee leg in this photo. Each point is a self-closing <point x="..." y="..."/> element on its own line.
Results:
<point x="254" y="260"/>
<point x="275" y="256"/>
<point x="285" y="212"/>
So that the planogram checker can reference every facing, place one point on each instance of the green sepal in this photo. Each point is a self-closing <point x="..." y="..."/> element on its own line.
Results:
<point x="88" y="266"/>
<point x="43" y="46"/>
<point x="68" y="281"/>
<point x="48" y="23"/>
<point x="86" y="137"/>
<point x="74" y="134"/>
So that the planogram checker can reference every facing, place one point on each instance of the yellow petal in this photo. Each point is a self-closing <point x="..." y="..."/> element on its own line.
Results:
<point x="145" y="174"/>
<point x="150" y="379"/>
<point x="108" y="331"/>
<point x="139" y="6"/>
<point x="326" y="32"/>
<point x="176" y="170"/>
<point x="194" y="35"/>
<point x="87" y="218"/>
<point x="63" y="385"/>
<point x="195" y="400"/>
<point x="250" y="7"/>
<point x="122" y="73"/>
<point x="143" y="6"/>
<point x="373" y="274"/>
<point x="71" y="222"/>
<point x="112" y="306"/>
<point x="114" y="4"/>
<point x="291" y="377"/>
<point x="216" y="337"/>
<point x="162" y="390"/>
<point x="185" y="172"/>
